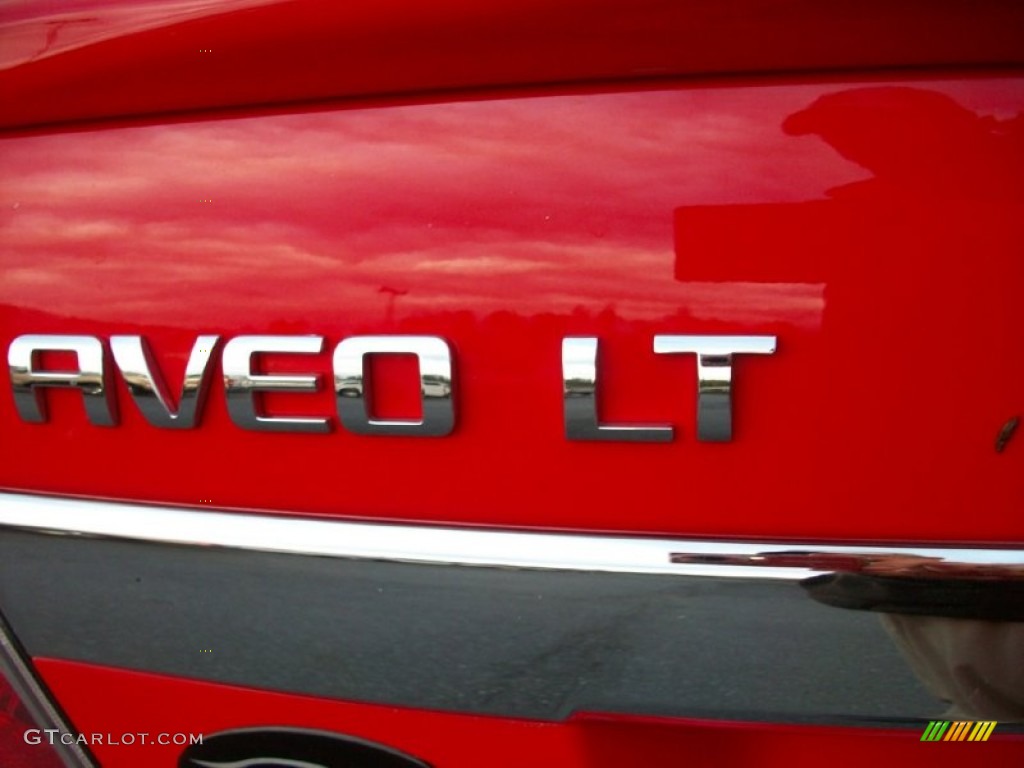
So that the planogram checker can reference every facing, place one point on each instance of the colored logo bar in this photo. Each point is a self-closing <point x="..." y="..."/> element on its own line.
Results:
<point x="959" y="730"/>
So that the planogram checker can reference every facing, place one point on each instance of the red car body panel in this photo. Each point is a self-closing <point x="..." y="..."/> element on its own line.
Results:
<point x="159" y="706"/>
<point x="503" y="226"/>
<point x="92" y="60"/>
<point x="850" y="180"/>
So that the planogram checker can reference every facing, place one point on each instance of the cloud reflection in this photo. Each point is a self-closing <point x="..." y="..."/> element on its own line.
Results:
<point x="535" y="205"/>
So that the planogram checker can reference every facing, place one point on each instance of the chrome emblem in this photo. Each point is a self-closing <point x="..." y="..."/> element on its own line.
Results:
<point x="90" y="379"/>
<point x="132" y="356"/>
<point x="353" y="391"/>
<point x="435" y="364"/>
<point x="241" y="385"/>
<point x="714" y="386"/>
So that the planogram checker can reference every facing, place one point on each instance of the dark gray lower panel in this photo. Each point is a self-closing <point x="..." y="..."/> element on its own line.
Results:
<point x="536" y="644"/>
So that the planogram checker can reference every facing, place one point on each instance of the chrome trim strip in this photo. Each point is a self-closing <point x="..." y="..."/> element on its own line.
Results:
<point x="304" y="535"/>
<point x="36" y="700"/>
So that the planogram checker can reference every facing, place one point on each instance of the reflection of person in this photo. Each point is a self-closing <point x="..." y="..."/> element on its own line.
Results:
<point x="917" y="143"/>
<point x="959" y="625"/>
<point x="977" y="666"/>
<point x="960" y="628"/>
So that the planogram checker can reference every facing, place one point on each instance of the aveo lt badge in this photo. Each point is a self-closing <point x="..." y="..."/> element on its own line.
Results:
<point x="134" y="361"/>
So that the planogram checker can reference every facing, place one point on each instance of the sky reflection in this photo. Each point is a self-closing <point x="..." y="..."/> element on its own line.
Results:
<point x="484" y="204"/>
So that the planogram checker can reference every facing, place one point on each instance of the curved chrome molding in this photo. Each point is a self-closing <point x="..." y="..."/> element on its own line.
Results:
<point x="303" y="535"/>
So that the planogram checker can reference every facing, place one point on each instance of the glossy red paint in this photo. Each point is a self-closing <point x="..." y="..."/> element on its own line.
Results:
<point x="874" y="228"/>
<point x="112" y="701"/>
<point x="873" y="224"/>
<point x="94" y="59"/>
